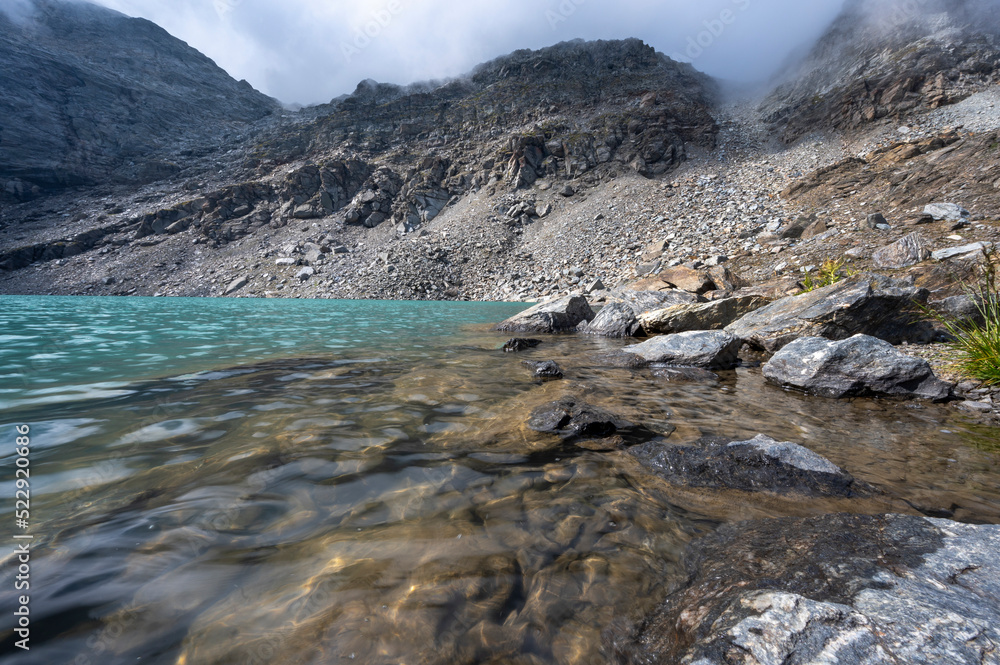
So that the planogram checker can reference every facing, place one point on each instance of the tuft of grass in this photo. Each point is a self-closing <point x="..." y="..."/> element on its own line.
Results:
<point x="977" y="339"/>
<point x="829" y="273"/>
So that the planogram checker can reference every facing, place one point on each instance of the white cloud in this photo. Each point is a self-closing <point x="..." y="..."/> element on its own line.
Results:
<point x="312" y="50"/>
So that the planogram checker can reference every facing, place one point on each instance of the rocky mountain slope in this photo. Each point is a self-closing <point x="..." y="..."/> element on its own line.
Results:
<point x="90" y="96"/>
<point x="580" y="166"/>
<point x="883" y="59"/>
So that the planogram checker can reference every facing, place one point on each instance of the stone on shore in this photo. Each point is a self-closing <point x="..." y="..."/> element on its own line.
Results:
<point x="713" y="315"/>
<point x="859" y="366"/>
<point x="236" y="285"/>
<point x="903" y="253"/>
<point x="868" y="304"/>
<point x="948" y="212"/>
<point x="845" y="589"/>
<point x="964" y="250"/>
<point x="619" y="318"/>
<point x="758" y="464"/>
<point x="710" y="349"/>
<point x="561" y="315"/>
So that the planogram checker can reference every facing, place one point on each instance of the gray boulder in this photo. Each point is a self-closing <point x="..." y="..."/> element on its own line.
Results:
<point x="615" y="319"/>
<point x="713" y="315"/>
<point x="963" y="250"/>
<point x="906" y="251"/>
<point x="869" y="304"/>
<point x="236" y="285"/>
<point x="712" y="349"/>
<point x="555" y="316"/>
<point x="859" y="366"/>
<point x="619" y="318"/>
<point x="845" y="589"/>
<point x="949" y="212"/>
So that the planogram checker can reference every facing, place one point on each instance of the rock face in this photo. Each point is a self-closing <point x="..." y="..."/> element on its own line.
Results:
<point x="708" y="349"/>
<point x="556" y="316"/>
<point x="869" y="304"/>
<point x="713" y="315"/>
<point x="843" y="589"/>
<point x="759" y="464"/>
<point x="859" y="366"/>
<point x="86" y="91"/>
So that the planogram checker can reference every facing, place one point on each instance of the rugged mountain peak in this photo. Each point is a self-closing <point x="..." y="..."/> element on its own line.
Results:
<point x="88" y="95"/>
<point x="883" y="59"/>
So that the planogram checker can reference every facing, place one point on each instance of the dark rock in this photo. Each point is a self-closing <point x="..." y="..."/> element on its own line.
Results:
<point x="546" y="370"/>
<point x="709" y="349"/>
<point x="859" y="366"/>
<point x="572" y="419"/>
<point x="868" y="304"/>
<point x="555" y="316"/>
<point x="846" y="589"/>
<point x="816" y="228"/>
<point x="567" y="191"/>
<point x="876" y="221"/>
<point x="905" y="252"/>
<point x="518" y="344"/>
<point x="958" y="308"/>
<point x="759" y="464"/>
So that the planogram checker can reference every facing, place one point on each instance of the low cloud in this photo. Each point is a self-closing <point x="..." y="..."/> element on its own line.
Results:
<point x="310" y="51"/>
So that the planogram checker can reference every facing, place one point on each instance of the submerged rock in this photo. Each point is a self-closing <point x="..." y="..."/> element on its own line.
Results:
<point x="571" y="419"/>
<point x="713" y="349"/>
<point x="561" y="315"/>
<point x="518" y="344"/>
<point x="859" y="366"/>
<point x="759" y="464"/>
<point x="545" y="370"/>
<point x="845" y="589"/>
<point x="870" y="304"/>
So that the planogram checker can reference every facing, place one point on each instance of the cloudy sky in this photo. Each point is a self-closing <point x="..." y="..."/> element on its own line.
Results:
<point x="309" y="51"/>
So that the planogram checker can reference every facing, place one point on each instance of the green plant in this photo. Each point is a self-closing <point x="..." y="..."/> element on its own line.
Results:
<point x="829" y="273"/>
<point x="977" y="339"/>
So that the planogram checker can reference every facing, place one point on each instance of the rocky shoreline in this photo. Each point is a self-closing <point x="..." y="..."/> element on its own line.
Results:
<point x="862" y="586"/>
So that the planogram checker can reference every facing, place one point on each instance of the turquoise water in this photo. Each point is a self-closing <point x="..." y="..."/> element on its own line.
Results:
<point x="283" y="482"/>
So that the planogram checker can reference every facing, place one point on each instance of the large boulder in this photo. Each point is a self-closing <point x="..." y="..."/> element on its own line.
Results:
<point x="713" y="315"/>
<point x="948" y="212"/>
<point x="688" y="279"/>
<point x="616" y="319"/>
<point x="845" y="589"/>
<point x="859" y="366"/>
<point x="869" y="304"/>
<point x="755" y="465"/>
<point x="619" y="318"/>
<point x="711" y="349"/>
<point x="561" y="315"/>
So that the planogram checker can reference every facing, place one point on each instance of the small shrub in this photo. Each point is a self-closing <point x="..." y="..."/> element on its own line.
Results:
<point x="829" y="273"/>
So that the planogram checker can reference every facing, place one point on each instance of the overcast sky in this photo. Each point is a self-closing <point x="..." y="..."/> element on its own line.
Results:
<point x="309" y="51"/>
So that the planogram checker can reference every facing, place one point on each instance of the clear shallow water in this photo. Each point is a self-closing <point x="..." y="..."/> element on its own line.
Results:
<point x="262" y="481"/>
